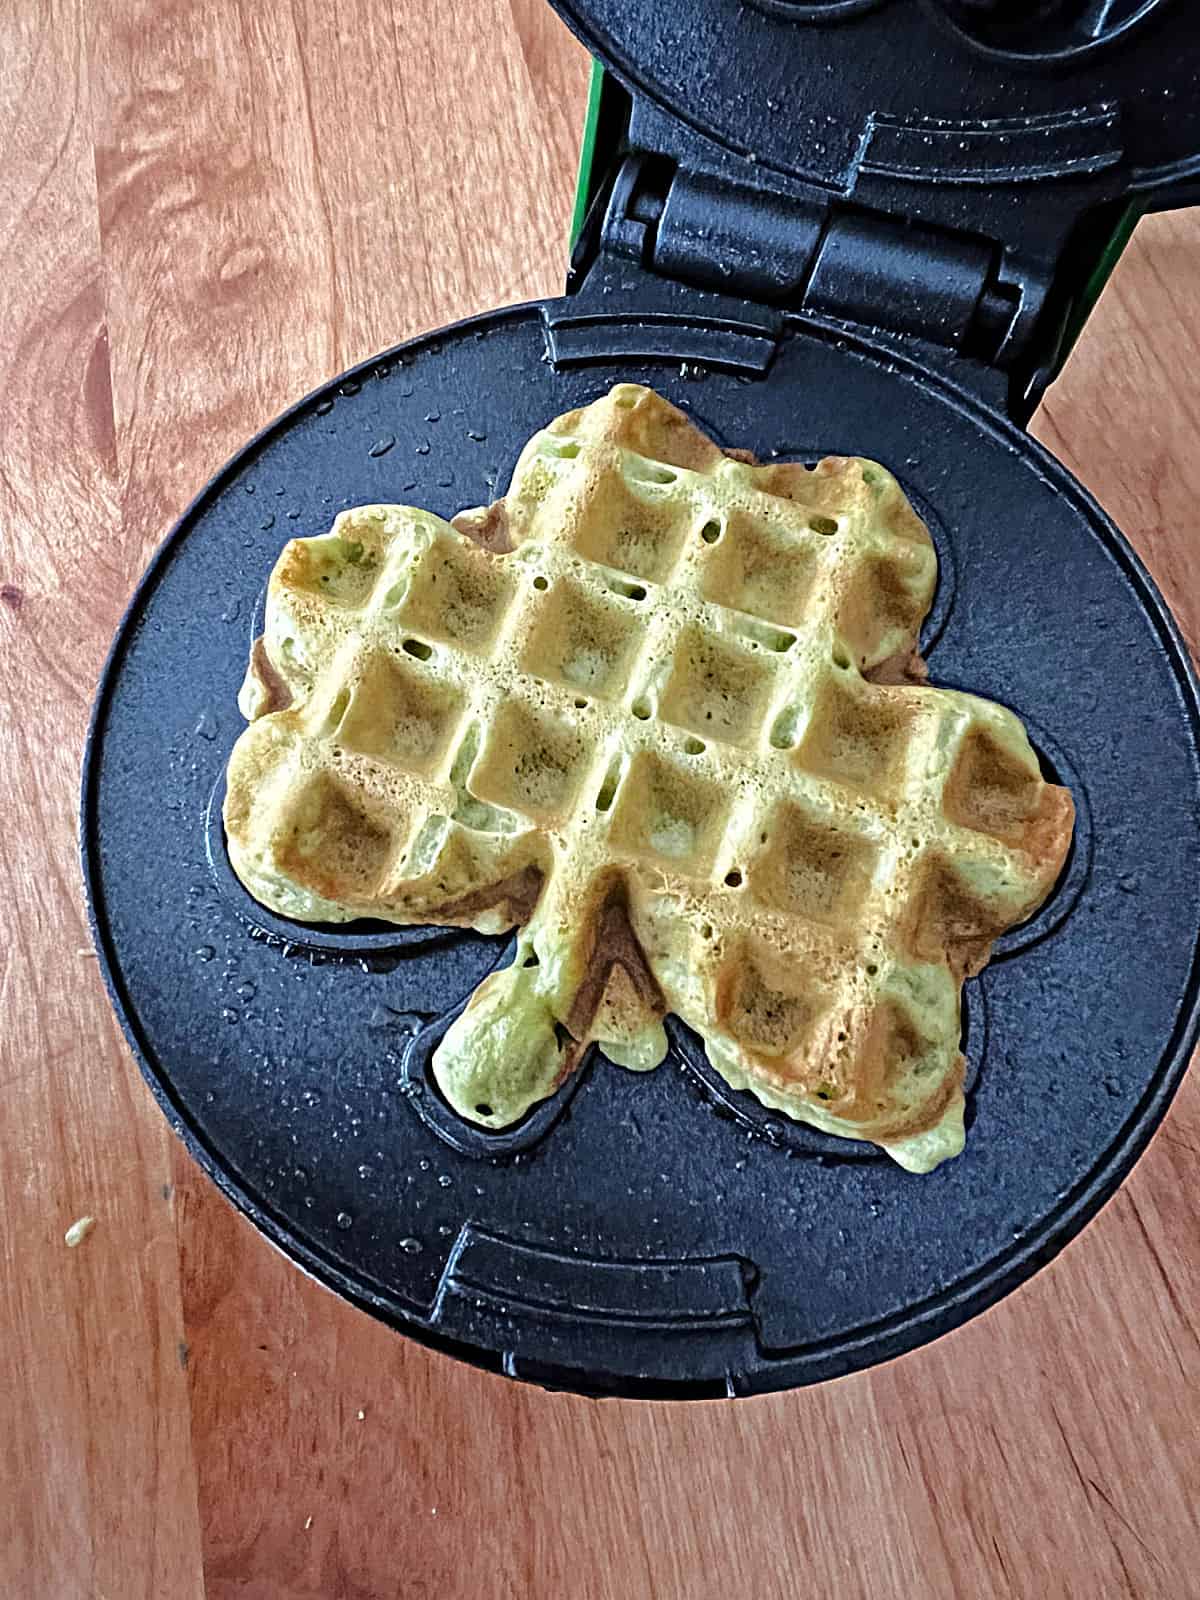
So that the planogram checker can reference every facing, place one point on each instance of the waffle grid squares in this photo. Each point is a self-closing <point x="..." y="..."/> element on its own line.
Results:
<point x="665" y="674"/>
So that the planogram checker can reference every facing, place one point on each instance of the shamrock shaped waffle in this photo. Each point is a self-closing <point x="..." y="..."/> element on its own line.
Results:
<point x="656" y="708"/>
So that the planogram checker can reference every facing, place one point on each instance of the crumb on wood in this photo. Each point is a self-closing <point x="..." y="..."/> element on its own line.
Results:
<point x="78" y="1231"/>
<point x="362" y="1415"/>
<point x="307" y="1524"/>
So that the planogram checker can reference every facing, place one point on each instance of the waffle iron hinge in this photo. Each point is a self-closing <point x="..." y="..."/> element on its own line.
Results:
<point x="960" y="293"/>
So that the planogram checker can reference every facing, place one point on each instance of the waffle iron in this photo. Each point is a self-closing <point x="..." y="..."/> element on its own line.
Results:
<point x="857" y="226"/>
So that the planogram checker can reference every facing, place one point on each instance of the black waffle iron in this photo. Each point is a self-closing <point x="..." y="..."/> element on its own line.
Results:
<point x="860" y="226"/>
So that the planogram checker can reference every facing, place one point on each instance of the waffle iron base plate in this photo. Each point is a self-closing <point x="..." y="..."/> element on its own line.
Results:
<point x="650" y="1235"/>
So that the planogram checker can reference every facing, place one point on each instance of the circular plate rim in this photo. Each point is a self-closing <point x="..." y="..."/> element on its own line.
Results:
<point x="822" y="1359"/>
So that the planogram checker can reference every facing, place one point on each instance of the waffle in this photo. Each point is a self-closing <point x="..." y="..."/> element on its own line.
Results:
<point x="646" y="708"/>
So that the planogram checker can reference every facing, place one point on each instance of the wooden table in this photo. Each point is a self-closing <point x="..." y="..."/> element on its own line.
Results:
<point x="208" y="208"/>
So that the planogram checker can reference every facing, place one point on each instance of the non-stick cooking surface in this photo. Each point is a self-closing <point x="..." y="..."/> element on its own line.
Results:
<point x="650" y="1234"/>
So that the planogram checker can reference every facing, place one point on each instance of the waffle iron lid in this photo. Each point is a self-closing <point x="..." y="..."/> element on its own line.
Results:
<point x="1082" y="100"/>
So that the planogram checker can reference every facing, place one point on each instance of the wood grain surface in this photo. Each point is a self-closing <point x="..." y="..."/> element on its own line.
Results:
<point x="206" y="208"/>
